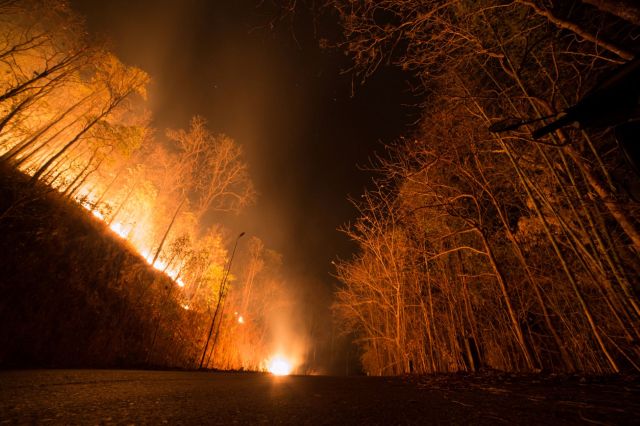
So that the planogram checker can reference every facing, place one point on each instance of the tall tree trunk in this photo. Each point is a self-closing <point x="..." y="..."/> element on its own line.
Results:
<point x="109" y="186"/>
<point x="564" y="355"/>
<point x="69" y="144"/>
<point x="24" y="86"/>
<point x="569" y="273"/>
<point x="578" y="30"/>
<point x="26" y="144"/>
<point x="507" y="300"/>
<point x="122" y="204"/>
<point x="79" y="175"/>
<point x="628" y="10"/>
<point x="164" y="237"/>
<point x="75" y="190"/>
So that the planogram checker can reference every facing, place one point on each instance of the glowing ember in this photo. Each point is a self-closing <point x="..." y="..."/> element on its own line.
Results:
<point x="160" y="265"/>
<point x="240" y="319"/>
<point x="279" y="366"/>
<point x="118" y="228"/>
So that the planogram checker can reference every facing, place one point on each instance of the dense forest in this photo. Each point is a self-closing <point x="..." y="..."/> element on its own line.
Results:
<point x="111" y="253"/>
<point x="481" y="249"/>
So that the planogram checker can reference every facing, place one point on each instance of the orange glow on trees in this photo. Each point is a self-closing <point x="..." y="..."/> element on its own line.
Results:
<point x="73" y="116"/>
<point x="483" y="249"/>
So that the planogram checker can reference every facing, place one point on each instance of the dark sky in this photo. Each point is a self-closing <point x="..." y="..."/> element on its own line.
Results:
<point x="275" y="92"/>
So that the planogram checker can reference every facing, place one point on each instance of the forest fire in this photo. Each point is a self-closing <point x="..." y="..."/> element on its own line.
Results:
<point x="280" y="366"/>
<point x="119" y="229"/>
<point x="74" y="118"/>
<point x="469" y="249"/>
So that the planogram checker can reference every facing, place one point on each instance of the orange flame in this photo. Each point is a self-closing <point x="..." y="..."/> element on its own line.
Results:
<point x="280" y="366"/>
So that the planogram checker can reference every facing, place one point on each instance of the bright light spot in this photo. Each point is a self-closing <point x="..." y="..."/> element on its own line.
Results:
<point x="241" y="319"/>
<point x="119" y="229"/>
<point x="185" y="307"/>
<point x="86" y="201"/>
<point x="279" y="366"/>
<point x="160" y="265"/>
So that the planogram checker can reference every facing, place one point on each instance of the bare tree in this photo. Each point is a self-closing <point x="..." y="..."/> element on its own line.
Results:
<point x="211" y="173"/>
<point x="538" y="236"/>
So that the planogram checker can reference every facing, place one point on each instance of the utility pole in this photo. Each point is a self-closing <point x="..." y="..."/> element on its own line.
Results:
<point x="220" y="294"/>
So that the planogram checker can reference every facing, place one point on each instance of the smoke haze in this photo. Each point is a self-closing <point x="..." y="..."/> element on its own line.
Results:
<point x="274" y="91"/>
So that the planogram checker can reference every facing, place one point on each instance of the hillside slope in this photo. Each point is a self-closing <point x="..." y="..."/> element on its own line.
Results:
<point x="72" y="294"/>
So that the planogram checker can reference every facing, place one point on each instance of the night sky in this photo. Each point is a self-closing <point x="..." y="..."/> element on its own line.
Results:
<point x="265" y="82"/>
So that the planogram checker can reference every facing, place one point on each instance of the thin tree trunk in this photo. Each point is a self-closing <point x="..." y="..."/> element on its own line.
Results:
<point x="534" y="284"/>
<point x="69" y="144"/>
<point x="104" y="193"/>
<point x="122" y="204"/>
<point x="164" y="237"/>
<point x="22" y="146"/>
<point x="570" y="26"/>
<point x="84" y="179"/>
<point x="572" y="280"/>
<point x="24" y="86"/>
<point x="79" y="175"/>
<point x="507" y="300"/>
<point x="627" y="10"/>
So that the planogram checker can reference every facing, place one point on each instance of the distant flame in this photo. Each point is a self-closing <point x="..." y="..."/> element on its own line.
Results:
<point x="119" y="229"/>
<point x="279" y="366"/>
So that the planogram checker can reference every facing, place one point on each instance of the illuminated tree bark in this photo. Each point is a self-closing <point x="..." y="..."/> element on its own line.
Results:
<point x="624" y="9"/>
<point x="166" y="233"/>
<point x="541" y="207"/>
<point x="120" y="82"/>
<point x="211" y="171"/>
